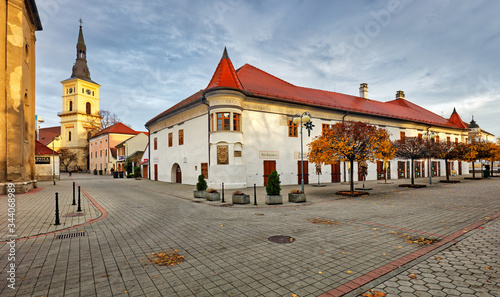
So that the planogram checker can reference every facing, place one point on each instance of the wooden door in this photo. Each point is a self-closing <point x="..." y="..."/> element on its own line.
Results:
<point x="380" y="170"/>
<point x="459" y="167"/>
<point x="336" y="173"/>
<point x="306" y="172"/>
<point x="178" y="175"/>
<point x="145" y="171"/>
<point x="156" y="172"/>
<point x="417" y="169"/>
<point x="269" y="166"/>
<point x="401" y="169"/>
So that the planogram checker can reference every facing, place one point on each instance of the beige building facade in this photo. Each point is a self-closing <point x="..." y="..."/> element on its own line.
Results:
<point x="19" y="21"/>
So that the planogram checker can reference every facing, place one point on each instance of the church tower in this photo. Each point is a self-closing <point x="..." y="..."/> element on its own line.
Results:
<point x="80" y="110"/>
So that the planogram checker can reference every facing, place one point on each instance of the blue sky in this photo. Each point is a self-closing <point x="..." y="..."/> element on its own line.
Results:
<point x="149" y="55"/>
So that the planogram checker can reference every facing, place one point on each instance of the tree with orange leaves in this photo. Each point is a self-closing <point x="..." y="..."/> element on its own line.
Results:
<point x="469" y="153"/>
<point x="349" y="142"/>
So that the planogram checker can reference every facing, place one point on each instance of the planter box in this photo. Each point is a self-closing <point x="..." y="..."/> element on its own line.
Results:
<point x="297" y="198"/>
<point x="241" y="199"/>
<point x="212" y="196"/>
<point x="199" y="194"/>
<point x="274" y="199"/>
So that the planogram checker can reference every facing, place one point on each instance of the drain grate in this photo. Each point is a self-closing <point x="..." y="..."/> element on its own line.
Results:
<point x="281" y="239"/>
<point x="74" y="214"/>
<point x="70" y="235"/>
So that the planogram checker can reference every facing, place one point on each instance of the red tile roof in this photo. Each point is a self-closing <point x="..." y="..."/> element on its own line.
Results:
<point x="46" y="135"/>
<point x="255" y="82"/>
<point x="118" y="128"/>
<point x="455" y="119"/>
<point x="41" y="149"/>
<point x="224" y="75"/>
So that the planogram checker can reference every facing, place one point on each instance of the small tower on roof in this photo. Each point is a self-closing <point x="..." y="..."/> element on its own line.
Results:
<point x="474" y="131"/>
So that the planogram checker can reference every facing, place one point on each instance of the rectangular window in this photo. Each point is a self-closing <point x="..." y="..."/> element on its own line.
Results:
<point x="292" y="129"/>
<point x="456" y="140"/>
<point x="236" y="122"/>
<point x="170" y="139"/>
<point x="402" y="136"/>
<point x="181" y="137"/>
<point x="325" y="127"/>
<point x="223" y="121"/>
<point x="448" y="140"/>
<point x="204" y="169"/>
<point x="106" y="152"/>
<point x="419" y="135"/>
<point x="155" y="144"/>
<point x="437" y="138"/>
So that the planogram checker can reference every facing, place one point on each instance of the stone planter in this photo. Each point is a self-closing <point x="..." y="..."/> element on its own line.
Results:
<point x="212" y="196"/>
<point x="199" y="194"/>
<point x="297" y="198"/>
<point x="274" y="199"/>
<point x="241" y="199"/>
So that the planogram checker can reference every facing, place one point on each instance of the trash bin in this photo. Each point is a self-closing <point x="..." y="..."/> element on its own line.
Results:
<point x="121" y="174"/>
<point x="95" y="171"/>
<point x="100" y="172"/>
<point x="115" y="174"/>
<point x="486" y="172"/>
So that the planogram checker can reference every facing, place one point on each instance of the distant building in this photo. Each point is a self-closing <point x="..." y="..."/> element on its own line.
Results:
<point x="101" y="145"/>
<point x="19" y="21"/>
<point x="46" y="162"/>
<point x="131" y="148"/>
<point x="80" y="113"/>
<point x="239" y="129"/>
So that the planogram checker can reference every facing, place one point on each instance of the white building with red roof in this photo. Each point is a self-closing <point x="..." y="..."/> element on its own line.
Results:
<point x="46" y="162"/>
<point x="239" y="129"/>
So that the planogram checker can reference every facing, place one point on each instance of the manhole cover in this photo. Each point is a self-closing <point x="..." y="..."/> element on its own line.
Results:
<point x="281" y="239"/>
<point x="74" y="214"/>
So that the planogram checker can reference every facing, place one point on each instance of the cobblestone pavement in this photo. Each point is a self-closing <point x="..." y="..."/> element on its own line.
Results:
<point x="227" y="251"/>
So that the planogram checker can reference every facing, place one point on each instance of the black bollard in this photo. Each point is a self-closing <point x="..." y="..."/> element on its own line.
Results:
<point x="74" y="201"/>
<point x="57" y="210"/>
<point x="79" y="203"/>
<point x="254" y="195"/>
<point x="223" y="193"/>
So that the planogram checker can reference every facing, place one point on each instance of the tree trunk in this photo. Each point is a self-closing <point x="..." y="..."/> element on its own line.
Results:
<point x="473" y="171"/>
<point x="447" y="169"/>
<point x="351" y="174"/>
<point x="412" y="173"/>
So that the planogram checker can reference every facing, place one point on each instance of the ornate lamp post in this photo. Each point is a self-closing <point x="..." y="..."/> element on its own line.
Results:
<point x="53" y="160"/>
<point x="429" y="137"/>
<point x="305" y="117"/>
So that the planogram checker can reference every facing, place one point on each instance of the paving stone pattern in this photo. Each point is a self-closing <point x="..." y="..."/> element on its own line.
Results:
<point x="471" y="267"/>
<point x="226" y="249"/>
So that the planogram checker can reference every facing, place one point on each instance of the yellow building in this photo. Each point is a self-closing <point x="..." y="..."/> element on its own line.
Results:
<point x="80" y="107"/>
<point x="19" y="21"/>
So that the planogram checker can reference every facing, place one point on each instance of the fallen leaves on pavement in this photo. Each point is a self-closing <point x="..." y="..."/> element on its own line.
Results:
<point x="166" y="259"/>
<point x="372" y="293"/>
<point x="322" y="221"/>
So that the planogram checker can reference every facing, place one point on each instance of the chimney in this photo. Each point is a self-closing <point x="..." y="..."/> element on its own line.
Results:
<point x="363" y="90"/>
<point x="400" y="95"/>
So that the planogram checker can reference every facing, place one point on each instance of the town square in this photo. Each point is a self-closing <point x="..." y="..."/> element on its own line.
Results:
<point x="249" y="148"/>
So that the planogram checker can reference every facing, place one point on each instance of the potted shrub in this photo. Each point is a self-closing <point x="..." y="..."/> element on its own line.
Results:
<point x="212" y="195"/>
<point x="201" y="186"/>
<point x="273" y="189"/>
<point x="240" y="198"/>
<point x="296" y="196"/>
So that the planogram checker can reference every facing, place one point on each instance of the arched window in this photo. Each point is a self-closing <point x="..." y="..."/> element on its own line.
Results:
<point x="88" y="108"/>
<point x="69" y="136"/>
<point x="71" y="106"/>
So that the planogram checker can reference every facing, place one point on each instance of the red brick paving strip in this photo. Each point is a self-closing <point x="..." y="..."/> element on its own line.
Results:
<point x="372" y="275"/>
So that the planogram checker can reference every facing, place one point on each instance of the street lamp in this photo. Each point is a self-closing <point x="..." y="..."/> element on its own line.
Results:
<point x="53" y="160"/>
<point x="429" y="137"/>
<point x="305" y="117"/>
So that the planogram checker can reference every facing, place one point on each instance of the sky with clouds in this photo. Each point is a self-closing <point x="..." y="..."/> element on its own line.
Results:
<point x="149" y="55"/>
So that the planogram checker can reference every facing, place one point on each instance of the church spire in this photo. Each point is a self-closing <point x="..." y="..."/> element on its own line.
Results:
<point x="80" y="68"/>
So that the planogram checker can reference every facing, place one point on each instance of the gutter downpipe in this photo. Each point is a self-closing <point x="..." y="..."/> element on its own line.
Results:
<point x="149" y="153"/>
<point x="203" y="101"/>
<point x="343" y="119"/>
